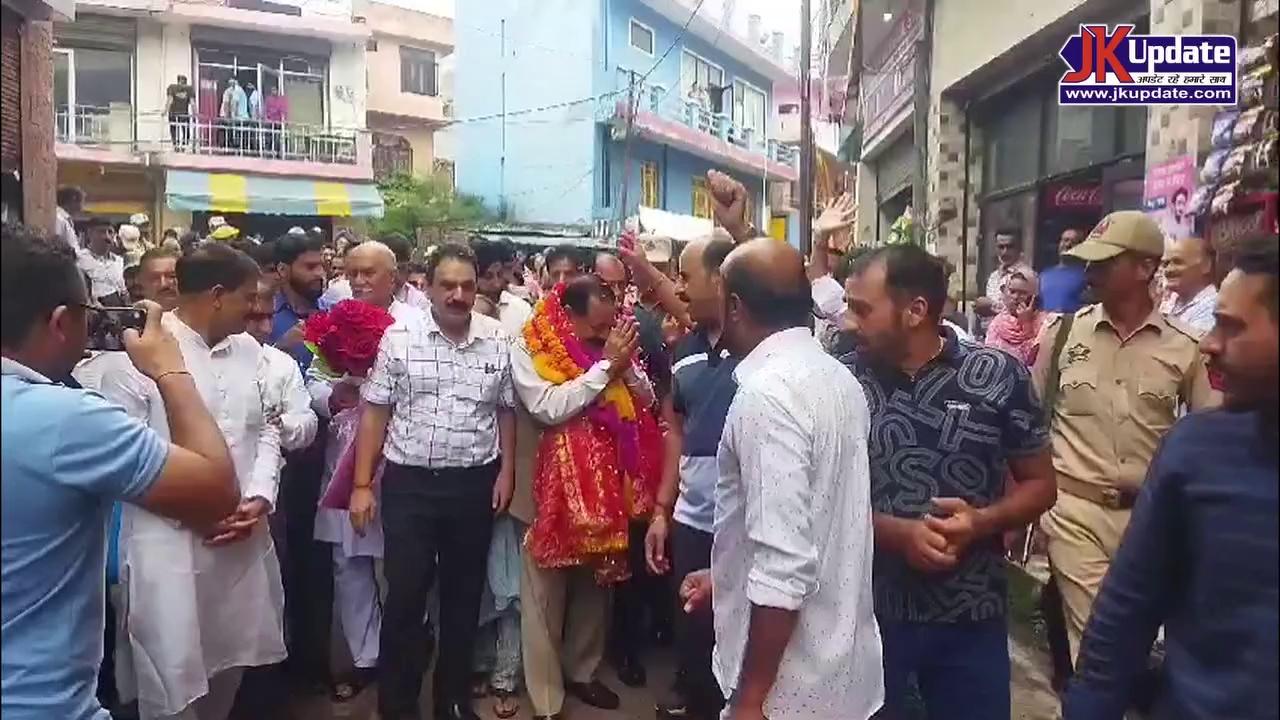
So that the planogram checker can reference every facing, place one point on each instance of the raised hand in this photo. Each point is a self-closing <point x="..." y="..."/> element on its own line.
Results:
<point x="838" y="214"/>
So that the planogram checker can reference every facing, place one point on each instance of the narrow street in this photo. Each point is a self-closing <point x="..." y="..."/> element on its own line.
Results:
<point x="1031" y="695"/>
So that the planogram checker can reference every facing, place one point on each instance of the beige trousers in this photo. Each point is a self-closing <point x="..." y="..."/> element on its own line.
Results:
<point x="563" y="617"/>
<point x="1083" y="538"/>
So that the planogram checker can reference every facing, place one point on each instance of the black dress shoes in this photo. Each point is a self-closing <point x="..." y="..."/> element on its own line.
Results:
<point x="631" y="672"/>
<point x="594" y="694"/>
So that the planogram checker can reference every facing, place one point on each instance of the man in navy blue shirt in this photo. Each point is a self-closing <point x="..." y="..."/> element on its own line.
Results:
<point x="300" y="267"/>
<point x="947" y="418"/>
<point x="1201" y="552"/>
<point x="702" y="388"/>
<point x="1062" y="286"/>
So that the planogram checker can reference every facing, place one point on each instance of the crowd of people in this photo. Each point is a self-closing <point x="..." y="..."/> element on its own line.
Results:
<point x="511" y="466"/>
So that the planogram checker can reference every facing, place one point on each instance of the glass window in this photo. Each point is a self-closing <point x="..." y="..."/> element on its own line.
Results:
<point x="417" y="71"/>
<point x="748" y="107"/>
<point x="1011" y="154"/>
<point x="93" y="94"/>
<point x="649" y="184"/>
<point x="1133" y="132"/>
<point x="1079" y="136"/>
<point x="641" y="38"/>
<point x="697" y="76"/>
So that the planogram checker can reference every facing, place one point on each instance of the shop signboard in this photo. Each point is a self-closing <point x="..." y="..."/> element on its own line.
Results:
<point x="1166" y="193"/>
<point x="1070" y="198"/>
<point x="888" y="90"/>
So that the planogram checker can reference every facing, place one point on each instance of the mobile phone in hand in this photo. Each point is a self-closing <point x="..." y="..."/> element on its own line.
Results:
<point x="107" y="326"/>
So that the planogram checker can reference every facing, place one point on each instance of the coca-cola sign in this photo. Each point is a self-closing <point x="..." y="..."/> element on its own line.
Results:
<point x="1074" y="197"/>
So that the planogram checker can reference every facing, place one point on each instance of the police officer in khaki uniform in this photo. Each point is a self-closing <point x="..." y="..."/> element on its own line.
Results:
<point x="1124" y="373"/>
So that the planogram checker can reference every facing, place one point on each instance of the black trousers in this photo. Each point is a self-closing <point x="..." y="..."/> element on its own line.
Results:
<point x="307" y="566"/>
<point x="696" y="632"/>
<point x="432" y="518"/>
<point x="642" y="596"/>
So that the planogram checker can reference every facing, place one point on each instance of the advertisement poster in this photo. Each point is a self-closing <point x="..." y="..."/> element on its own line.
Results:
<point x="1166" y="193"/>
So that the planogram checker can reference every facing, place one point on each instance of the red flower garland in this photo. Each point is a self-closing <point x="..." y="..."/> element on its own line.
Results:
<point x="346" y="337"/>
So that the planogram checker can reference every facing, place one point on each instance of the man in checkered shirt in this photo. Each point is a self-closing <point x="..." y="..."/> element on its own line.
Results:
<point x="440" y="410"/>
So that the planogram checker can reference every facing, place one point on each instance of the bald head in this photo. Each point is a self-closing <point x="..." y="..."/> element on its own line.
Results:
<point x="374" y="252"/>
<point x="766" y="290"/>
<point x="370" y="267"/>
<point x="1188" y="267"/>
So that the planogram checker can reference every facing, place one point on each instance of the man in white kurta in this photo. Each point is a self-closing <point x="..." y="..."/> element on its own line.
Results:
<point x="200" y="610"/>
<point x="371" y="270"/>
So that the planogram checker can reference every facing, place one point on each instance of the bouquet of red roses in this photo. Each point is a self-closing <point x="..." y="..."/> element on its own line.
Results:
<point x="345" y="339"/>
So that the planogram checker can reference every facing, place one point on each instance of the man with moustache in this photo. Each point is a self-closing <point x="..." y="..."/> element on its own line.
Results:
<point x="447" y="431"/>
<point x="203" y="608"/>
<point x="1188" y="279"/>
<point x="371" y="270"/>
<point x="1200" y="555"/>
<point x="702" y="388"/>
<point x="1123" y="373"/>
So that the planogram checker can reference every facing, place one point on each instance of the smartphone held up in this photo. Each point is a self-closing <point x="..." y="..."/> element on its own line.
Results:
<point x="107" y="326"/>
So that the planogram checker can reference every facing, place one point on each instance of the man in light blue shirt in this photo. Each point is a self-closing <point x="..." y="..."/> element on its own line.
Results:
<point x="68" y="455"/>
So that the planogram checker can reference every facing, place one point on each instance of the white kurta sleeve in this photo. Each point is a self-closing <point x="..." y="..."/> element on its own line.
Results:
<point x="297" y="420"/>
<point x="552" y="404"/>
<point x="319" y="388"/>
<point x="127" y="387"/>
<point x="777" y="474"/>
<point x="264" y="478"/>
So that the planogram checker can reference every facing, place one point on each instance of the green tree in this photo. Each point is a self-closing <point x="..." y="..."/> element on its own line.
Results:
<point x="426" y="208"/>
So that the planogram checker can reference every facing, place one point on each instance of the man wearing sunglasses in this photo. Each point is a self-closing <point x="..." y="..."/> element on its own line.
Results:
<point x="1122" y="372"/>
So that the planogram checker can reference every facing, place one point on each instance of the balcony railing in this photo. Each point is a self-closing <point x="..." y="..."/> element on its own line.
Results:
<point x="657" y="99"/>
<point x="118" y="127"/>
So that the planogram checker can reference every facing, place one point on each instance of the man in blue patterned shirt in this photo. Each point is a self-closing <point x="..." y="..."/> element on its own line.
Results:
<point x="948" y="420"/>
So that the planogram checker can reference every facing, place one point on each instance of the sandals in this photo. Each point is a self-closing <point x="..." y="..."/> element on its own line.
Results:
<point x="506" y="704"/>
<point x="350" y="689"/>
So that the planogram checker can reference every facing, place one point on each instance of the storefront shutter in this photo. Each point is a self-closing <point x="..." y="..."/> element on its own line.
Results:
<point x="896" y="167"/>
<point x="10" y="92"/>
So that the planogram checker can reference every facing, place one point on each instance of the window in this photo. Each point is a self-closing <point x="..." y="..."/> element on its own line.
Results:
<point x="649" y="184"/>
<point x="641" y="37"/>
<point x="392" y="154"/>
<point x="299" y="80"/>
<point x="698" y="78"/>
<point x="748" y="108"/>
<point x="701" y="198"/>
<point x="93" y="94"/>
<point x="1012" y="152"/>
<point x="417" y="71"/>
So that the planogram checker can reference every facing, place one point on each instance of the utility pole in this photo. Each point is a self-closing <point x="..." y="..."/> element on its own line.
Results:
<point x="806" y="133"/>
<point x="502" y="91"/>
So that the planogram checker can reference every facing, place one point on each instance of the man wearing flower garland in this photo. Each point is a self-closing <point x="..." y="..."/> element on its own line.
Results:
<point x="439" y="409"/>
<point x="598" y="464"/>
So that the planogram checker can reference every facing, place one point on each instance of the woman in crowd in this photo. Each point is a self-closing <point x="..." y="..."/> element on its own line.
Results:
<point x="1017" y="329"/>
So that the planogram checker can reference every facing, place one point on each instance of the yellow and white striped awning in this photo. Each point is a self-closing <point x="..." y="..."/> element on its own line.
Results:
<point x="232" y="193"/>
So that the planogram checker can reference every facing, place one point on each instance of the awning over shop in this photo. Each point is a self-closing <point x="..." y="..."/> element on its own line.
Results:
<point x="227" y="192"/>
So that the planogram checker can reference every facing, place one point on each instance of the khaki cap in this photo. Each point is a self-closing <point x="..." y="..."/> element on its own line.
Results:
<point x="1121" y="231"/>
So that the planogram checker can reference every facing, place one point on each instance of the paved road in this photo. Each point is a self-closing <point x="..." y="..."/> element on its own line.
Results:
<point x="1032" y="697"/>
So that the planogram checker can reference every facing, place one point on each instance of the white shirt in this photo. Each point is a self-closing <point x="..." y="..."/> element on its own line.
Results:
<point x="340" y="290"/>
<point x="106" y="273"/>
<point x="1196" y="312"/>
<point x="552" y="404"/>
<point x="65" y="230"/>
<point x="196" y="610"/>
<point x="285" y="395"/>
<point x="793" y="530"/>
<point x="513" y="313"/>
<point x="444" y="396"/>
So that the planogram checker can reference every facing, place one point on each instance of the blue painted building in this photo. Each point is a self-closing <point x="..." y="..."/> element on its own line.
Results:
<point x="566" y="107"/>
